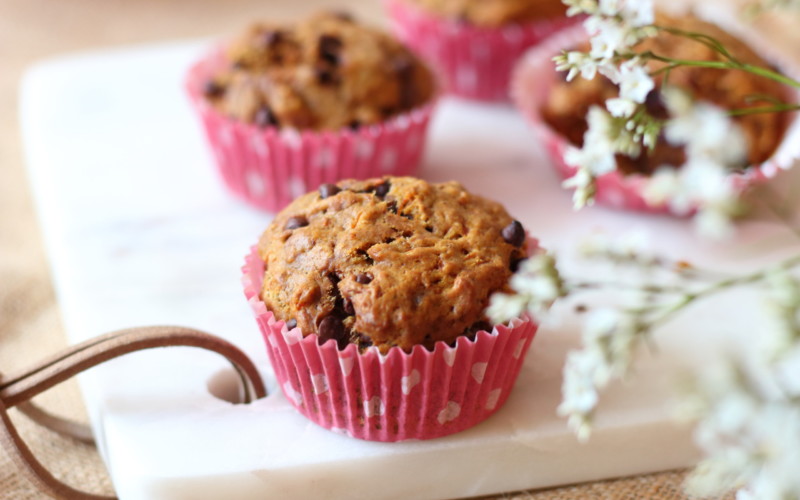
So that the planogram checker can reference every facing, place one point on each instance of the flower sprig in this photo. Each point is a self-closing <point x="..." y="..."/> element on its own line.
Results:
<point x="714" y="145"/>
<point x="747" y="419"/>
<point x="746" y="412"/>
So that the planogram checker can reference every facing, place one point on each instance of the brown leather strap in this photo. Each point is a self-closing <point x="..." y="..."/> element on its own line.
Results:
<point x="17" y="389"/>
<point x="74" y="430"/>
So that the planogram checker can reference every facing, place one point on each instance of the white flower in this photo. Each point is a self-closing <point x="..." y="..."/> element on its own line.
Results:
<point x="751" y="439"/>
<point x="718" y="474"/>
<point x="780" y="343"/>
<point x="610" y="8"/>
<point x="614" y="335"/>
<point x="714" y="222"/>
<point x="582" y="371"/>
<point x="707" y="132"/>
<point x="620" y="107"/>
<point x="585" y="185"/>
<point x="714" y="145"/>
<point x="536" y="285"/>
<point x="665" y="186"/>
<point x="597" y="153"/>
<point x="577" y="7"/>
<point x="635" y="82"/>
<point x="504" y="307"/>
<point x="577" y="62"/>
<point x="607" y="37"/>
<point x="609" y="340"/>
<point x="639" y="12"/>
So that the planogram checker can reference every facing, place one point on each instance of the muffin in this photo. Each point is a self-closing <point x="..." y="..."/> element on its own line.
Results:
<point x="474" y="44"/>
<point x="371" y="297"/>
<point x="565" y="110"/>
<point x="287" y="107"/>
<point x="559" y="108"/>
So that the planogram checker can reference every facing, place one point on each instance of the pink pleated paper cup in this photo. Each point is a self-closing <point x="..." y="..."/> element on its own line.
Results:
<point x="393" y="397"/>
<point x="269" y="167"/>
<point x="532" y="82"/>
<point x="473" y="62"/>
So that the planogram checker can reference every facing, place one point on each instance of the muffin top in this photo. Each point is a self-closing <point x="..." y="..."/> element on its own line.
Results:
<point x="494" y="13"/>
<point x="568" y="103"/>
<point x="388" y="262"/>
<point x="322" y="73"/>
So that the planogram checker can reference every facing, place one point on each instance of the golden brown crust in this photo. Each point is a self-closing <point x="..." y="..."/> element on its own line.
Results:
<point x="322" y="73"/>
<point x="569" y="102"/>
<point x="494" y="13"/>
<point x="394" y="262"/>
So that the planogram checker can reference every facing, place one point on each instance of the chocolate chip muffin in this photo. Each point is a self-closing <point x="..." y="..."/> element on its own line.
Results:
<point x="494" y="13"/>
<point x="388" y="262"/>
<point x="323" y="73"/>
<point x="567" y="105"/>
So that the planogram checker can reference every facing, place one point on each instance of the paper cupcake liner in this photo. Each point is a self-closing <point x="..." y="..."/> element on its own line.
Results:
<point x="473" y="62"/>
<point x="532" y="82"/>
<point x="269" y="167"/>
<point x="392" y="397"/>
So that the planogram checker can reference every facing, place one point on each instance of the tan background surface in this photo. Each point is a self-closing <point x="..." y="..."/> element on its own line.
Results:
<point x="29" y="319"/>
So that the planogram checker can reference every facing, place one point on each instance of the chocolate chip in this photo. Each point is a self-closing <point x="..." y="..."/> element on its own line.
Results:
<point x="212" y="89"/>
<point x="581" y="308"/>
<point x="514" y="234"/>
<point x="481" y="326"/>
<point x="327" y="190"/>
<point x="408" y="216"/>
<point x="363" y="341"/>
<point x="347" y="307"/>
<point x="515" y="262"/>
<point x="331" y="327"/>
<point x="402" y="66"/>
<point x="392" y="206"/>
<point x="271" y="38"/>
<point x="325" y="76"/>
<point x="264" y="117"/>
<point x="296" y="222"/>
<point x="429" y="229"/>
<point x="329" y="48"/>
<point x="404" y="69"/>
<point x="363" y="278"/>
<point x="382" y="190"/>
<point x="354" y="125"/>
<point x="655" y="105"/>
<point x="291" y="324"/>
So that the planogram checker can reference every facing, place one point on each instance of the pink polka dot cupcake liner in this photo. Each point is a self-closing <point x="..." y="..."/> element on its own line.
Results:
<point x="473" y="62"/>
<point x="397" y="396"/>
<point x="269" y="167"/>
<point x="531" y="85"/>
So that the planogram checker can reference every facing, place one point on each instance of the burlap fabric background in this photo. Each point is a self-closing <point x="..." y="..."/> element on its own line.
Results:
<point x="29" y="319"/>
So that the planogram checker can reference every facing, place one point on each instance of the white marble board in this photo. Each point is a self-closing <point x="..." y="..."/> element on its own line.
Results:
<point x="139" y="231"/>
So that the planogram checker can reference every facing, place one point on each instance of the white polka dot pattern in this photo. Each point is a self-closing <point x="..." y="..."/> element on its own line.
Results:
<point x="409" y="381"/>
<point x="269" y="167"/>
<point x="473" y="62"/>
<point x="449" y="413"/>
<point x="395" y="396"/>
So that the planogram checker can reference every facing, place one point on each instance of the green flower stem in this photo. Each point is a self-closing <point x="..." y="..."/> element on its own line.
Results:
<point x="750" y="68"/>
<point x="746" y="279"/>
<point x="707" y="40"/>
<point x="601" y="285"/>
<point x="778" y="108"/>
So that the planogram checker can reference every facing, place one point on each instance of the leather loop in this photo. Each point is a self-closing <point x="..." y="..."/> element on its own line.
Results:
<point x="19" y="388"/>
